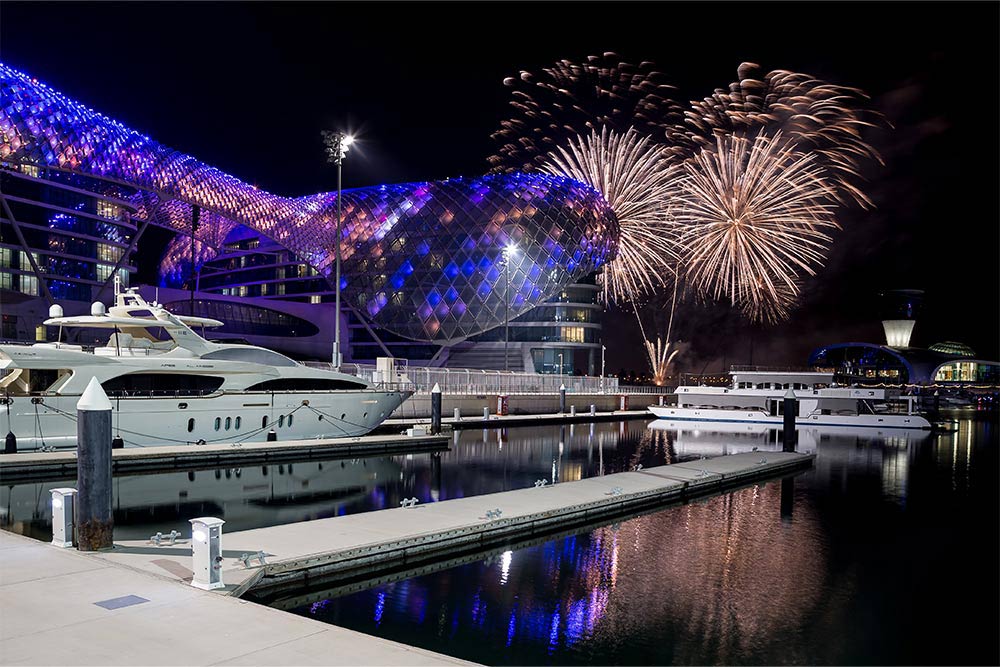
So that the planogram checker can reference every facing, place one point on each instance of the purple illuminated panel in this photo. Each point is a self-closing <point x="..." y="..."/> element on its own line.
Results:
<point x="423" y="260"/>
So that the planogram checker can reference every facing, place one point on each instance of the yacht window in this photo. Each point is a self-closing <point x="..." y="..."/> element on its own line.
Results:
<point x="254" y="355"/>
<point x="218" y="423"/>
<point x="153" y="384"/>
<point x="290" y="421"/>
<point x="281" y="421"/>
<point x="238" y="421"/>
<point x="306" y="384"/>
<point x="190" y="424"/>
<point x="229" y="423"/>
<point x="263" y="421"/>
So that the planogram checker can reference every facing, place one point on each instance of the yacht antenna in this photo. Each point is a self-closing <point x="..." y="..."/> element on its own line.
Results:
<point x="118" y="286"/>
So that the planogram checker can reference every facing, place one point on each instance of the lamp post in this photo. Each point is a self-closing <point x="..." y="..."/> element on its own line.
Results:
<point x="337" y="144"/>
<point x="508" y="252"/>
<point x="560" y="366"/>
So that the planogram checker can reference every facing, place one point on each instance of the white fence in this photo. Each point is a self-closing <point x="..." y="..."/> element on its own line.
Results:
<point x="478" y="382"/>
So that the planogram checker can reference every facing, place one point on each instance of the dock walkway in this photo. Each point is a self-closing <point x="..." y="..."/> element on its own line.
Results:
<point x="502" y="421"/>
<point x="358" y="544"/>
<point x="32" y="465"/>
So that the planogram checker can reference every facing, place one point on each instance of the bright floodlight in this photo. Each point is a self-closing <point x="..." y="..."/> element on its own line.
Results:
<point x="511" y="248"/>
<point x="347" y="140"/>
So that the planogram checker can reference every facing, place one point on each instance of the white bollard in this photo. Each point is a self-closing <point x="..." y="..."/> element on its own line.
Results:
<point x="572" y="411"/>
<point x="458" y="414"/>
<point x="206" y="552"/>
<point x="62" y="517"/>
<point x="593" y="409"/>
<point x="486" y="412"/>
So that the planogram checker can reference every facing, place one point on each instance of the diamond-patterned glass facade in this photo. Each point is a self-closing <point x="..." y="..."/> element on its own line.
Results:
<point x="423" y="260"/>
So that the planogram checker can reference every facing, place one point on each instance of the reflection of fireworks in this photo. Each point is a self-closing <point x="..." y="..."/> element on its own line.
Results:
<point x="632" y="174"/>
<point x="753" y="214"/>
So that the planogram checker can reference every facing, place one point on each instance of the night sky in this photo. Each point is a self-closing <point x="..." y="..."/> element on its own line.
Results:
<point x="248" y="87"/>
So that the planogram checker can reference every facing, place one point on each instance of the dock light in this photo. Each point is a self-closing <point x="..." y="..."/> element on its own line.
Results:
<point x="206" y="552"/>
<point x="62" y="517"/>
<point x="337" y="144"/>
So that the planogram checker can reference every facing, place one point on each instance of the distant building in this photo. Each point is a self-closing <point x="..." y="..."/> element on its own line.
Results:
<point x="428" y="269"/>
<point x="897" y="362"/>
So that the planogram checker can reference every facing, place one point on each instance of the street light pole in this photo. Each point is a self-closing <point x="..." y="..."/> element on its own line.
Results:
<point x="603" y="349"/>
<point x="508" y="252"/>
<point x="560" y="367"/>
<point x="337" y="144"/>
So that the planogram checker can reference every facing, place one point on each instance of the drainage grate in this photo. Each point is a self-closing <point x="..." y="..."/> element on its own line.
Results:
<point x="118" y="603"/>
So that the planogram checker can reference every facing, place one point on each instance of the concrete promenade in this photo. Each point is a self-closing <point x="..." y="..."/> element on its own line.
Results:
<point x="49" y="615"/>
<point x="503" y="421"/>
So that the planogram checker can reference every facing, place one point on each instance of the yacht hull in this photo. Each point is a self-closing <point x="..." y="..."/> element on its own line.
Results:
<point x="755" y="417"/>
<point x="50" y="421"/>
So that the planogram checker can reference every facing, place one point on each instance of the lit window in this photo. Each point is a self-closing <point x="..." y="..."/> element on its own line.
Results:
<point x="106" y="209"/>
<point x="5" y="257"/>
<point x="315" y="298"/>
<point x="30" y="170"/>
<point x="264" y="289"/>
<point x="29" y="285"/>
<point x="108" y="253"/>
<point x="5" y="280"/>
<point x="243" y="290"/>
<point x="280" y="289"/>
<point x="104" y="272"/>
<point x="25" y="263"/>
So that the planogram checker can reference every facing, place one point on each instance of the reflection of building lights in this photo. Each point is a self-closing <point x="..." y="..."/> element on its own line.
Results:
<point x="505" y="566"/>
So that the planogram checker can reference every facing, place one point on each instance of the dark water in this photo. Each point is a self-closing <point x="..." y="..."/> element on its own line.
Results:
<point x="886" y="552"/>
<point x="253" y="497"/>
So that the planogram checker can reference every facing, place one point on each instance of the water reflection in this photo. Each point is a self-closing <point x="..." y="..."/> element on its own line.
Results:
<point x="479" y="462"/>
<point x="851" y="562"/>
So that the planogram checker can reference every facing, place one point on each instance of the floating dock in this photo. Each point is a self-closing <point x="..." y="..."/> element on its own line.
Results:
<point x="339" y="549"/>
<point x="30" y="466"/>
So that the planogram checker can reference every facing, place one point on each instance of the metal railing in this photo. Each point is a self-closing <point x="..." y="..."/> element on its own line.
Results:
<point x="475" y="381"/>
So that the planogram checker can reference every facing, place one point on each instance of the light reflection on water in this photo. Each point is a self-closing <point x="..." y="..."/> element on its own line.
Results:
<point x="480" y="461"/>
<point x="878" y="555"/>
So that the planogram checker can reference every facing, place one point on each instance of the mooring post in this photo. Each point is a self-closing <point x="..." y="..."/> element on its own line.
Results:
<point x="790" y="409"/>
<point x="436" y="409"/>
<point x="94" y="521"/>
<point x="562" y="399"/>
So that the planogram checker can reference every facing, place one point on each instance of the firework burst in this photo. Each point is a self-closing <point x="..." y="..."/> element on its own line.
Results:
<point x="820" y="118"/>
<point x="633" y="174"/>
<point x="552" y="108"/>
<point x="754" y="216"/>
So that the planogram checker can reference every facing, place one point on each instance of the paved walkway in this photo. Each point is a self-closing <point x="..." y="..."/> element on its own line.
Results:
<point x="49" y="615"/>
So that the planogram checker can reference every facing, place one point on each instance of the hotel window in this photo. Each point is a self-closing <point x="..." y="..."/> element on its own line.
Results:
<point x="280" y="289"/>
<point x="5" y="280"/>
<point x="572" y="334"/>
<point x="315" y="298"/>
<point x="243" y="290"/>
<point x="280" y="273"/>
<point x="30" y="170"/>
<point x="106" y="209"/>
<point x="108" y="253"/>
<point x="264" y="289"/>
<point x="5" y="256"/>
<point x="29" y="284"/>
<point x="104" y="272"/>
<point x="25" y="263"/>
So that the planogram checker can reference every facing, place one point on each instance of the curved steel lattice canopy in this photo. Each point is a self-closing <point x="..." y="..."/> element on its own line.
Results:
<point x="423" y="260"/>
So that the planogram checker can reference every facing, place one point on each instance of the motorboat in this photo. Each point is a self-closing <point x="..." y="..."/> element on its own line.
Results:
<point x="758" y="395"/>
<point x="169" y="385"/>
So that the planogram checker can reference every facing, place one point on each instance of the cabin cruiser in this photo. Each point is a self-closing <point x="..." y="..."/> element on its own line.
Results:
<point x="169" y="385"/>
<point x="758" y="396"/>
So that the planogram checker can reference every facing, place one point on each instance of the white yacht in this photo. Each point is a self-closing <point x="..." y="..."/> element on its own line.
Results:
<point x="758" y="395"/>
<point x="181" y="389"/>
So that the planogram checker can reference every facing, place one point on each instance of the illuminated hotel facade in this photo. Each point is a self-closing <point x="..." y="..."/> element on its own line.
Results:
<point x="425" y="273"/>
